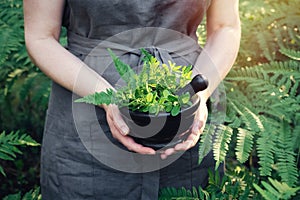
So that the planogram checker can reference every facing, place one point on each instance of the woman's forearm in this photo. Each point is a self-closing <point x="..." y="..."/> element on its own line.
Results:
<point x="63" y="67"/>
<point x="223" y="41"/>
<point x="218" y="56"/>
<point x="42" y="24"/>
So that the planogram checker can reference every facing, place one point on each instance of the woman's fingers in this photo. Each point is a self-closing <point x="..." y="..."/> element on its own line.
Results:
<point x="194" y="135"/>
<point x="167" y="153"/>
<point x="119" y="131"/>
<point x="191" y="140"/>
<point x="118" y="120"/>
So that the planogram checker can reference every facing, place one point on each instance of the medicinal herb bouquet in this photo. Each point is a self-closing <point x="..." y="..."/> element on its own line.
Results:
<point x="152" y="91"/>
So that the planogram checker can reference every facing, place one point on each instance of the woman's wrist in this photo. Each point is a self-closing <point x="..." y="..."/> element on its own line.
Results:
<point x="104" y="106"/>
<point x="204" y="95"/>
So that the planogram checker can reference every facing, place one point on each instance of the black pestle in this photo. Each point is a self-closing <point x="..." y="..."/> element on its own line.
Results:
<point x="197" y="84"/>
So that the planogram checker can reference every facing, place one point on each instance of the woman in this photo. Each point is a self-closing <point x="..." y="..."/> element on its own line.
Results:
<point x="68" y="170"/>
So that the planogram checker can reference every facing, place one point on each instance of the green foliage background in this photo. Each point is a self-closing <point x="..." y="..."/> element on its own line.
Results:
<point x="260" y="138"/>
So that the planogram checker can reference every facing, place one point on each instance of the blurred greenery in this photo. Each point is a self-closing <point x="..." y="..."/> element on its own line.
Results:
<point x="260" y="139"/>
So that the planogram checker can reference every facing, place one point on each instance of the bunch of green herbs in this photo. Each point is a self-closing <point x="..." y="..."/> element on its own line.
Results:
<point x="153" y="90"/>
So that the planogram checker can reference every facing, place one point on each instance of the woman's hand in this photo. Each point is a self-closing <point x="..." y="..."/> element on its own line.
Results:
<point x="120" y="130"/>
<point x="194" y="133"/>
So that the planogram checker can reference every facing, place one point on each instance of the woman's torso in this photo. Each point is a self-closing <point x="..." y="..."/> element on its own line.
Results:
<point x="103" y="18"/>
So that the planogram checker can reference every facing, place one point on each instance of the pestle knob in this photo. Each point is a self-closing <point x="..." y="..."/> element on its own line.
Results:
<point x="197" y="84"/>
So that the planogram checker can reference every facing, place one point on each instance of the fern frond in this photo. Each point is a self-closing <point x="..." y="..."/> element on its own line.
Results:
<point x="244" y="144"/>
<point x="273" y="85"/>
<point x="98" y="98"/>
<point x="295" y="133"/>
<point x="2" y="171"/>
<point x="33" y="194"/>
<point x="123" y="69"/>
<point x="263" y="44"/>
<point x="205" y="145"/>
<point x="265" y="151"/>
<point x="271" y="73"/>
<point x="250" y="119"/>
<point x="9" y="143"/>
<point x="293" y="54"/>
<point x="284" y="189"/>
<point x="170" y="193"/>
<point x="286" y="162"/>
<point x="278" y="190"/>
<point x="220" y="145"/>
<point x="266" y="194"/>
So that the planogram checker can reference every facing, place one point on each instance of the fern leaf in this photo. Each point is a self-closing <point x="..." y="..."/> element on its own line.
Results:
<point x="284" y="190"/>
<point x="286" y="162"/>
<point x="98" y="98"/>
<point x="220" y="146"/>
<point x="270" y="189"/>
<point x="5" y="156"/>
<point x="244" y="144"/>
<point x="123" y="69"/>
<point x="182" y="194"/>
<point x="295" y="55"/>
<point x="265" y="149"/>
<point x="16" y="196"/>
<point x="33" y="194"/>
<point x="249" y="118"/>
<point x="9" y="143"/>
<point x="9" y="150"/>
<point x="2" y="171"/>
<point x="263" y="44"/>
<point x="296" y="135"/>
<point x="266" y="194"/>
<point x="206" y="142"/>
<point x="278" y="190"/>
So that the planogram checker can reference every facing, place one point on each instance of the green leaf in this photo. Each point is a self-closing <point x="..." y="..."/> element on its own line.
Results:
<point x="98" y="98"/>
<point x="206" y="141"/>
<point x="2" y="171"/>
<point x="244" y="144"/>
<point x="153" y="109"/>
<point x="175" y="110"/>
<point x="295" y="55"/>
<point x="147" y="56"/>
<point x="149" y="97"/>
<point x="168" y="106"/>
<point x="221" y="144"/>
<point x="9" y="143"/>
<point x="6" y="149"/>
<point x="16" y="196"/>
<point x="185" y="98"/>
<point x="267" y="195"/>
<point x="166" y="93"/>
<point x="123" y="69"/>
<point x="4" y="156"/>
<point x="270" y="188"/>
<point x="172" y="98"/>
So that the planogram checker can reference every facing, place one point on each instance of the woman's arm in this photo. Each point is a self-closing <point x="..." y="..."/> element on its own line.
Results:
<point x="223" y="40"/>
<point x="215" y="61"/>
<point x="42" y="22"/>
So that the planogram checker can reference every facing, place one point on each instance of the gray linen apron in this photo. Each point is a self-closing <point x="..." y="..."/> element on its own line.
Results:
<point x="68" y="169"/>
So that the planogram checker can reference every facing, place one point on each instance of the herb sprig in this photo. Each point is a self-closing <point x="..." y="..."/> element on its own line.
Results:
<point x="153" y="90"/>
